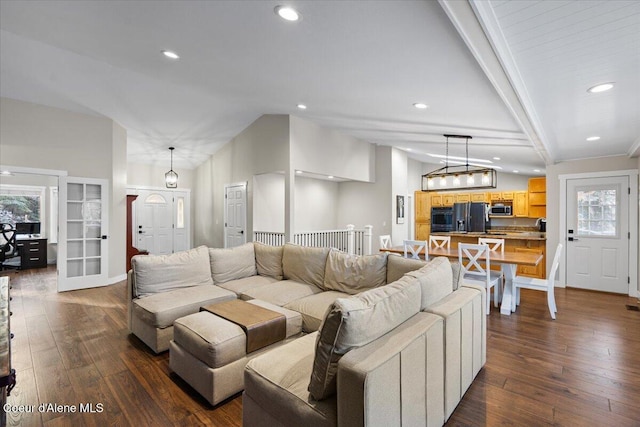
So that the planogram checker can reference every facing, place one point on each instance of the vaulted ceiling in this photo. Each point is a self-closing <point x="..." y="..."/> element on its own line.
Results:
<point x="512" y="74"/>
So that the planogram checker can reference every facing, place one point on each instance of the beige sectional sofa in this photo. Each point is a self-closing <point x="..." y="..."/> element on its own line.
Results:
<point x="386" y="340"/>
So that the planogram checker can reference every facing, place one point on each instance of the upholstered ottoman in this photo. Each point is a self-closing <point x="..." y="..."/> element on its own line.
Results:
<point x="210" y="353"/>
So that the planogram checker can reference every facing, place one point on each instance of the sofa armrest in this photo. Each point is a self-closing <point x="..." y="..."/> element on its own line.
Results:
<point x="396" y="379"/>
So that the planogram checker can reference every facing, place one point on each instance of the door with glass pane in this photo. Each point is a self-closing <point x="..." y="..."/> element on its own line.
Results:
<point x="598" y="234"/>
<point x="82" y="243"/>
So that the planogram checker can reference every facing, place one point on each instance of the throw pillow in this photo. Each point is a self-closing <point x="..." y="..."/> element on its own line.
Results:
<point x="353" y="274"/>
<point x="232" y="263"/>
<point x="356" y="321"/>
<point x="269" y="260"/>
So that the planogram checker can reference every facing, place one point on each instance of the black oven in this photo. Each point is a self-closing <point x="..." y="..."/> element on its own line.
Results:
<point x="441" y="219"/>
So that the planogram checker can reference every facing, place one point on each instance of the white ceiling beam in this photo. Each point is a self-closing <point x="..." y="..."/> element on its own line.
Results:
<point x="478" y="27"/>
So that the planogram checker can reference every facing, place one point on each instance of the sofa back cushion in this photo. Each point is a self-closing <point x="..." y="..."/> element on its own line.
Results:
<point x="456" y="271"/>
<point x="161" y="273"/>
<point x="436" y="280"/>
<point x="356" y="321"/>
<point x="353" y="274"/>
<point x="269" y="260"/>
<point x="398" y="266"/>
<point x="304" y="264"/>
<point x="232" y="263"/>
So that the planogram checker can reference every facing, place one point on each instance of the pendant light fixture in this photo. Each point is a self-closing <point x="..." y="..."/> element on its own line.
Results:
<point x="171" y="178"/>
<point x="459" y="177"/>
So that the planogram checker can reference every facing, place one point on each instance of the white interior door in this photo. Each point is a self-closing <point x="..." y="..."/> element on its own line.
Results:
<point x="154" y="222"/>
<point x="83" y="244"/>
<point x="235" y="214"/>
<point x="598" y="233"/>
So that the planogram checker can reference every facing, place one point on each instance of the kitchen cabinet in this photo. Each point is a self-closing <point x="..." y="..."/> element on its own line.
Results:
<point x="436" y="199"/>
<point x="479" y="197"/>
<point x="448" y="199"/>
<point x="537" y="197"/>
<point x="422" y="207"/>
<point x="462" y="197"/>
<point x="521" y="204"/>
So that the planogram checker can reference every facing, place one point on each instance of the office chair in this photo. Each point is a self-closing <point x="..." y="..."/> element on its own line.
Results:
<point x="9" y="253"/>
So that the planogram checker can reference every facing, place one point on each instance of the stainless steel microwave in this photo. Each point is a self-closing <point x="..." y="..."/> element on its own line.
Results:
<point x="500" y="210"/>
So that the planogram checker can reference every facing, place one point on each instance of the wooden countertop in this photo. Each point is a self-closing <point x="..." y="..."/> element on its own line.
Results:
<point x="507" y="235"/>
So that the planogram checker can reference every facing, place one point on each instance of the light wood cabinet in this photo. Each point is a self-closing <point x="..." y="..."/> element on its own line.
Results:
<point x="495" y="195"/>
<point x="436" y="200"/>
<point x="507" y="195"/>
<point x="521" y="204"/>
<point x="479" y="197"/>
<point x="537" y="197"/>
<point x="462" y="197"/>
<point x="448" y="199"/>
<point x="422" y="208"/>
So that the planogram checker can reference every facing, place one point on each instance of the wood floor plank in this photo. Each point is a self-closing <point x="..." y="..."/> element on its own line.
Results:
<point x="25" y="394"/>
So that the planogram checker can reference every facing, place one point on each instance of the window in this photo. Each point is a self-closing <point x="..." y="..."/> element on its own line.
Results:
<point x="597" y="214"/>
<point x="21" y="203"/>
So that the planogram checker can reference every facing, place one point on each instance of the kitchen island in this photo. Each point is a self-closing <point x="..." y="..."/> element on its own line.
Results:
<point x="515" y="241"/>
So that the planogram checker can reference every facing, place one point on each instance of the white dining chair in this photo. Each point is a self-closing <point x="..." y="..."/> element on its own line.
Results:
<point x="412" y="248"/>
<point x="474" y="271"/>
<point x="545" y="285"/>
<point x="385" y="241"/>
<point x="439" y="242"/>
<point x="495" y="245"/>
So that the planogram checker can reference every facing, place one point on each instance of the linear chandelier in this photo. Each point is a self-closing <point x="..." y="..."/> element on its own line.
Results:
<point x="171" y="178"/>
<point x="459" y="177"/>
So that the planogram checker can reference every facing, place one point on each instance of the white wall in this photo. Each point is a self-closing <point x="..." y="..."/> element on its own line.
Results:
<point x="36" y="136"/>
<point x="316" y="205"/>
<point x="268" y="202"/>
<point x="141" y="174"/>
<point x="328" y="152"/>
<point x="362" y="203"/>
<point x="399" y="187"/>
<point x="263" y="147"/>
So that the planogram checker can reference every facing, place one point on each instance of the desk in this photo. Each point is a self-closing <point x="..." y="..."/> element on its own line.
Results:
<point x="33" y="252"/>
<point x="508" y="261"/>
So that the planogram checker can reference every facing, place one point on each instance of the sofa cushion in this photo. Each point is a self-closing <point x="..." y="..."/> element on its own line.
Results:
<point x="353" y="274"/>
<point x="456" y="271"/>
<point x="269" y="260"/>
<point x="304" y="264"/>
<point x="355" y="321"/>
<point x="162" y="273"/>
<point x="398" y="266"/>
<point x="314" y="307"/>
<point x="277" y="382"/>
<point x="281" y="293"/>
<point x="246" y="283"/>
<point x="436" y="280"/>
<point x="162" y="309"/>
<point x="232" y="263"/>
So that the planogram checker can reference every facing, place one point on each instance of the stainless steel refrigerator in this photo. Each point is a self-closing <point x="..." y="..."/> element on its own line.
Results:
<point x="471" y="216"/>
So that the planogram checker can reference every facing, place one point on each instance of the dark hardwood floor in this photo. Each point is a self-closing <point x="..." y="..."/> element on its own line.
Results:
<point x="73" y="348"/>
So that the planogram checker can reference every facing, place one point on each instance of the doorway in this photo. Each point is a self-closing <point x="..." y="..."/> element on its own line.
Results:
<point x="599" y="228"/>
<point x="161" y="222"/>
<point x="235" y="214"/>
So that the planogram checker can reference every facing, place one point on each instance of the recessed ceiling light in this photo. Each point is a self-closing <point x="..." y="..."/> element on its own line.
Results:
<point x="593" y="138"/>
<point x="420" y="105"/>
<point x="298" y="172"/>
<point x="515" y="171"/>
<point x="170" y="54"/>
<point x="496" y="158"/>
<point x="537" y="170"/>
<point x="287" y="13"/>
<point x="301" y="106"/>
<point x="6" y="173"/>
<point x="330" y="177"/>
<point x="600" y="88"/>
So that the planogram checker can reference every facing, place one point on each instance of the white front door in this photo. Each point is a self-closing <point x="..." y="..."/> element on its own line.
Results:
<point x="154" y="222"/>
<point x="83" y="244"/>
<point x="598" y="233"/>
<point x="235" y="199"/>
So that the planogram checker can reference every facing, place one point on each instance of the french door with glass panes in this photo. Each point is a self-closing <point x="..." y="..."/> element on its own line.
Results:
<point x="83" y="245"/>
